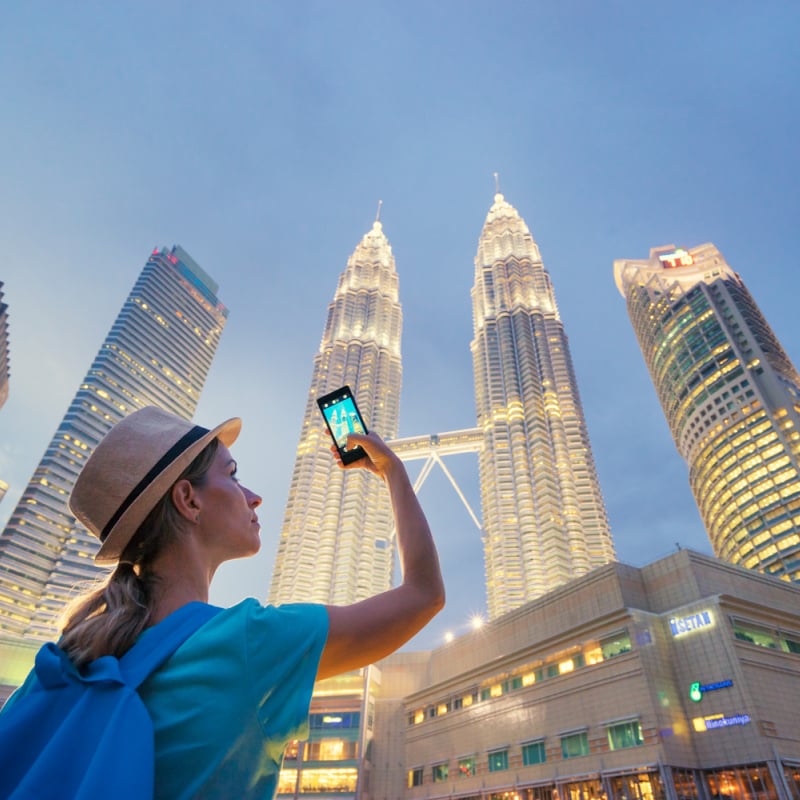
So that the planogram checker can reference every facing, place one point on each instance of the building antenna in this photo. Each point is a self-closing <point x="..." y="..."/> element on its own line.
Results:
<point x="496" y="183"/>
<point x="378" y="215"/>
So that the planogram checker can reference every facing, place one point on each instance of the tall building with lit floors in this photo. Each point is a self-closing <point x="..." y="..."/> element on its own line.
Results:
<point x="4" y="369"/>
<point x="731" y="397"/>
<point x="158" y="352"/>
<point x="544" y="520"/>
<point x="337" y="540"/>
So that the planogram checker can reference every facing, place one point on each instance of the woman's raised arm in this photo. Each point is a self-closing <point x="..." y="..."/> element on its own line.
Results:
<point x="371" y="629"/>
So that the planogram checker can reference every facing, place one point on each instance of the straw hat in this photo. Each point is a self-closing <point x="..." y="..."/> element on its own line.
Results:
<point x="132" y="469"/>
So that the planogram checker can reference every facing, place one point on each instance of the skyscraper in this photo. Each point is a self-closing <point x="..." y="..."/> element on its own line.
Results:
<point x="3" y="348"/>
<point x="543" y="514"/>
<point x="158" y="352"/>
<point x="731" y="397"/>
<point x="337" y="540"/>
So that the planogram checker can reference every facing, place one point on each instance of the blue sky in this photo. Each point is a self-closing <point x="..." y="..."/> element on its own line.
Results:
<point x="260" y="136"/>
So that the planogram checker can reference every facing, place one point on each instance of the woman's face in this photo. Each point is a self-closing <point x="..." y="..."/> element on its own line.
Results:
<point x="226" y="510"/>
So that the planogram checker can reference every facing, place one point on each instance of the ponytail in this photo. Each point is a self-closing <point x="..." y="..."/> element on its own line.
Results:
<point x="108" y="619"/>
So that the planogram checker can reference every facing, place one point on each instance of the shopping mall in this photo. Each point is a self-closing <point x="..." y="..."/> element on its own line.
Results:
<point x="679" y="680"/>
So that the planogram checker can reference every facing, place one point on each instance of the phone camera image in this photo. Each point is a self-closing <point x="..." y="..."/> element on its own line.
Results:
<point x="343" y="418"/>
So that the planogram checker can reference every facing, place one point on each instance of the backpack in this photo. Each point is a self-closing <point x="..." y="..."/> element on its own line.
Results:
<point x="86" y="737"/>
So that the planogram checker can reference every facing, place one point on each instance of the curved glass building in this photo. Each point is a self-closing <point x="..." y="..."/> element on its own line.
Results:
<point x="543" y="514"/>
<point x="337" y="539"/>
<point x="731" y="397"/>
<point x="158" y="352"/>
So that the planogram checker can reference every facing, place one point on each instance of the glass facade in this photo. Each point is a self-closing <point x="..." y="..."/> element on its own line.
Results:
<point x="337" y="540"/>
<point x="543" y="514"/>
<point x="731" y="397"/>
<point x="4" y="370"/>
<point x="158" y="352"/>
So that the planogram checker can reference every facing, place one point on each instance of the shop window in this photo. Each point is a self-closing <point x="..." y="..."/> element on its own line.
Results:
<point x="287" y="781"/>
<point x="328" y="781"/>
<point x="331" y="750"/>
<point x="646" y="786"/>
<point x="466" y="767"/>
<point x="752" y="782"/>
<point x="415" y="777"/>
<point x="625" y="734"/>
<point x="615" y="645"/>
<point x="498" y="760"/>
<point x="575" y="744"/>
<point x="583" y="790"/>
<point x="534" y="753"/>
<point x="792" y="775"/>
<point x="440" y="772"/>
<point x="685" y="783"/>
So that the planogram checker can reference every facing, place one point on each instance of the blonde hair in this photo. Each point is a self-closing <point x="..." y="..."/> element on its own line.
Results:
<point x="107" y="619"/>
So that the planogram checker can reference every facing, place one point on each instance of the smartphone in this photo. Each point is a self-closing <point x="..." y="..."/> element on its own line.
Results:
<point x="342" y="417"/>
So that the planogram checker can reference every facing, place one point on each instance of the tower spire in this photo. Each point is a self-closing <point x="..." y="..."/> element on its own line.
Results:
<point x="378" y="214"/>
<point x="496" y="182"/>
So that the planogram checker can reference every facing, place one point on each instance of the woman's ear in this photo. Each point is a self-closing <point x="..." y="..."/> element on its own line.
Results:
<point x="184" y="499"/>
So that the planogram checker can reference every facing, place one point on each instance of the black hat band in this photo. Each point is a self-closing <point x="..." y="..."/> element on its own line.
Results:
<point x="184" y="443"/>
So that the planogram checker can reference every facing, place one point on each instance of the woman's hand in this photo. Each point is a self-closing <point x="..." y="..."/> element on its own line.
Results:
<point x="379" y="459"/>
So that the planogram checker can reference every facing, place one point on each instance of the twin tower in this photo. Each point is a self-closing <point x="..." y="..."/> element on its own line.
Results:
<point x="544" y="521"/>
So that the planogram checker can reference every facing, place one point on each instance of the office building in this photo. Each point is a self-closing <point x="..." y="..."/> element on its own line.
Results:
<point x="544" y="520"/>
<point x="675" y="680"/>
<point x="4" y="370"/>
<point x="731" y="397"/>
<point x="158" y="352"/>
<point x="337" y="540"/>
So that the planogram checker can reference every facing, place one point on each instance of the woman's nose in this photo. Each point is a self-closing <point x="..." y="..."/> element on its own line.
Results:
<point x="253" y="499"/>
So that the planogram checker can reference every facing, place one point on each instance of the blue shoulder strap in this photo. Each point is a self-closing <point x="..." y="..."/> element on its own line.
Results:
<point x="91" y="737"/>
<point x="158" y="643"/>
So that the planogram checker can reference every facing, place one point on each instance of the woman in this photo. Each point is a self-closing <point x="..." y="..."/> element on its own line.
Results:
<point x="164" y="499"/>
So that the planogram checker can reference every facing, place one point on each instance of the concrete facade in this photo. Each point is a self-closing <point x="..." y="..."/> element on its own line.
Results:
<point x="595" y="679"/>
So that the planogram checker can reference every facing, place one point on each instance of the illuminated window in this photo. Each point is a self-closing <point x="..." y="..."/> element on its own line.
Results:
<point x="466" y="767"/>
<point x="415" y="777"/>
<point x="625" y="734"/>
<point x="332" y="750"/>
<point x="287" y="781"/>
<point x="290" y="754"/>
<point x="753" y="634"/>
<point x="498" y="760"/>
<point x="615" y="645"/>
<point x="440" y="772"/>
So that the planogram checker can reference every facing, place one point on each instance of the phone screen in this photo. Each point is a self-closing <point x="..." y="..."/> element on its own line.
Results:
<point x="343" y="418"/>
